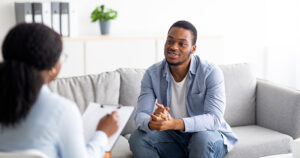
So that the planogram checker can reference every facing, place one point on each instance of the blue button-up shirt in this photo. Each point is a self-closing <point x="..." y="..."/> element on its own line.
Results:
<point x="205" y="97"/>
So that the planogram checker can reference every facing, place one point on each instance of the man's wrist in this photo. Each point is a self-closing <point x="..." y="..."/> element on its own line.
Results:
<point x="149" y="126"/>
<point x="179" y="124"/>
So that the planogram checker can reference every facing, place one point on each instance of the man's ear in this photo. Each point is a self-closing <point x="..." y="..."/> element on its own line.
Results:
<point x="194" y="47"/>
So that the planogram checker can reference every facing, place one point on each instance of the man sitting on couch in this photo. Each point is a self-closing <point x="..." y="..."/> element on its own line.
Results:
<point x="189" y="121"/>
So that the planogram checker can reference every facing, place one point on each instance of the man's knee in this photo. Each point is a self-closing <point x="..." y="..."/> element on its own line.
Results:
<point x="207" y="144"/>
<point x="141" y="139"/>
<point x="137" y="139"/>
<point x="140" y="144"/>
<point x="205" y="139"/>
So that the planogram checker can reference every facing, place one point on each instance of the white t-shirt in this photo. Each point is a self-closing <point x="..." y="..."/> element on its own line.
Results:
<point x="178" y="97"/>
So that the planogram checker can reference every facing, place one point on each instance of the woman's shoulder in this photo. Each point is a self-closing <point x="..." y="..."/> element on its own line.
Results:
<point x="54" y="104"/>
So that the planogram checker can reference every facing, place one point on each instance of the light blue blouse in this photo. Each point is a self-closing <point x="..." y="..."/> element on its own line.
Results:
<point x="54" y="127"/>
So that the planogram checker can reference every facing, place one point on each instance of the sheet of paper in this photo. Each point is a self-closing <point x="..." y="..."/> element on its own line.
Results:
<point x="95" y="112"/>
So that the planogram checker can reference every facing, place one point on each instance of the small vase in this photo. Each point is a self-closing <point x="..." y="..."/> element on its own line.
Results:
<point x="104" y="27"/>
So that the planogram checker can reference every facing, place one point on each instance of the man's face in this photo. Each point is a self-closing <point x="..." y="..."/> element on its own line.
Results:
<point x="178" y="46"/>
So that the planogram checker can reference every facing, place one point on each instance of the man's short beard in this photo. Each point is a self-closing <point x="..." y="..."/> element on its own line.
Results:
<point x="179" y="63"/>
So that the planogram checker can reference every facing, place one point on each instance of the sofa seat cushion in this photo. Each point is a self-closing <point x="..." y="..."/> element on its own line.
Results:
<point x="102" y="88"/>
<point x="255" y="141"/>
<point x="121" y="149"/>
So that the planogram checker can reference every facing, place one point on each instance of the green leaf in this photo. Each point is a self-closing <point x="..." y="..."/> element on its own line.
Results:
<point x="100" y="14"/>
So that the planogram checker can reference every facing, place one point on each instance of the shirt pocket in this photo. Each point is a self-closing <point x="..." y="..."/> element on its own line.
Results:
<point x="197" y="103"/>
<point x="198" y="98"/>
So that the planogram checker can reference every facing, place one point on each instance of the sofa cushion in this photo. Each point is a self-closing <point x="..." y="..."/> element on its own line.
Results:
<point x="255" y="141"/>
<point x="240" y="85"/>
<point x="129" y="92"/>
<point x="121" y="149"/>
<point x="102" y="88"/>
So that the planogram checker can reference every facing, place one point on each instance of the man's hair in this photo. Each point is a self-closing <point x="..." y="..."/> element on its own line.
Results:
<point x="188" y="26"/>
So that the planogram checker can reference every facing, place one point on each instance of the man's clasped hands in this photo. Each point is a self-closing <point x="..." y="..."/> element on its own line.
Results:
<point x="161" y="120"/>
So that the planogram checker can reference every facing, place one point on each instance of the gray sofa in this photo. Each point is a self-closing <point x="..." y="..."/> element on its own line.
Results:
<point x="265" y="117"/>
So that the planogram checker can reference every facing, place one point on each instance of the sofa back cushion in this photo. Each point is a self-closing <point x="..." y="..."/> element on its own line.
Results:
<point x="102" y="88"/>
<point x="129" y="92"/>
<point x="240" y="89"/>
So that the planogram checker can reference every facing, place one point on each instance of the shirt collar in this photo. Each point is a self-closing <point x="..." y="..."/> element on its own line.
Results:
<point x="45" y="90"/>
<point x="192" y="68"/>
<point x="193" y="65"/>
<point x="165" y="68"/>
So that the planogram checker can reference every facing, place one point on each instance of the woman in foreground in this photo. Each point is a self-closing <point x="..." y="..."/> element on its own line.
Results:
<point x="31" y="116"/>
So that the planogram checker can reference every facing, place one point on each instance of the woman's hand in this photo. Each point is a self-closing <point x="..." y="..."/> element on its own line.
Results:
<point x="109" y="124"/>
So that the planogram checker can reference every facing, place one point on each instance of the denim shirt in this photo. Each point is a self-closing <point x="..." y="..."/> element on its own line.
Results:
<point x="205" y="98"/>
<point x="54" y="127"/>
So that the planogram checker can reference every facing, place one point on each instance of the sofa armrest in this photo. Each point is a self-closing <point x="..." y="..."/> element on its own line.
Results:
<point x="278" y="108"/>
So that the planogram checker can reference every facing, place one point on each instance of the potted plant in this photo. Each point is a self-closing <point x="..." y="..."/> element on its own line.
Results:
<point x="104" y="16"/>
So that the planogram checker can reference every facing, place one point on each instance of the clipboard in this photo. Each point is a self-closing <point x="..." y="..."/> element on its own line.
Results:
<point x="95" y="112"/>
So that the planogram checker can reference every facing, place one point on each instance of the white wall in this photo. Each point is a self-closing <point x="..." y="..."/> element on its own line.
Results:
<point x="7" y="19"/>
<point x="283" y="42"/>
<point x="232" y="19"/>
<point x="248" y="27"/>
